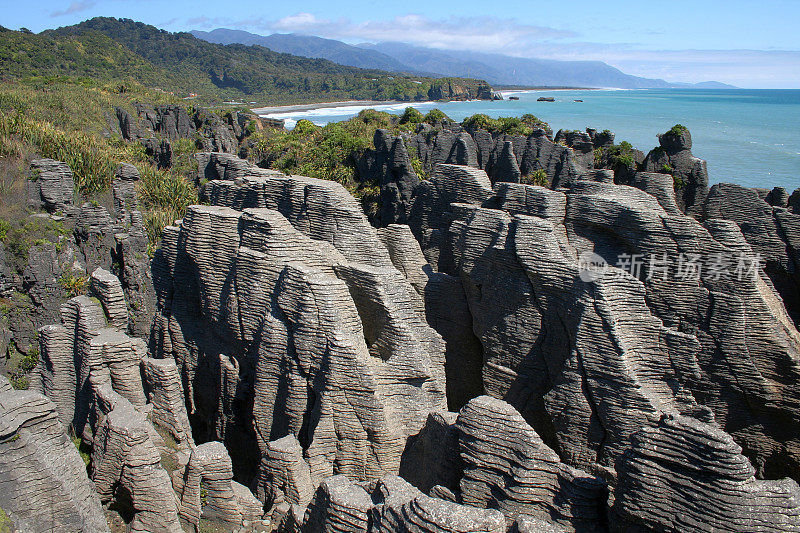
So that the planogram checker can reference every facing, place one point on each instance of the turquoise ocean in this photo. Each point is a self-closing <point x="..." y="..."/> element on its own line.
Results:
<point x="749" y="137"/>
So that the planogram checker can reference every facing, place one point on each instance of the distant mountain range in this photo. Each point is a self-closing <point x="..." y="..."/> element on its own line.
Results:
<point x="497" y="69"/>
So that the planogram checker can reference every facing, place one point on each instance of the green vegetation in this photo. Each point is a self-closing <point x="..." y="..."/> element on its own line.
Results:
<point x="411" y="116"/>
<point x="121" y="49"/>
<point x="6" y="525"/>
<point x="19" y="236"/>
<point x="621" y="155"/>
<point x="677" y="130"/>
<point x="83" y="449"/>
<point x="72" y="284"/>
<point x="19" y="376"/>
<point x="435" y="117"/>
<point x="64" y="118"/>
<point x="538" y="177"/>
<point x="165" y="195"/>
<point x="506" y="125"/>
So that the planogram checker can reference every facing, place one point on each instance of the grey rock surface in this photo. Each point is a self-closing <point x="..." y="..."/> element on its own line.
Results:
<point x="301" y="295"/>
<point x="691" y="176"/>
<point x="391" y="504"/>
<point x="126" y="469"/>
<point x="685" y="475"/>
<point x="508" y="467"/>
<point x="210" y="470"/>
<point x="50" y="185"/>
<point x="43" y="482"/>
<point x="773" y="233"/>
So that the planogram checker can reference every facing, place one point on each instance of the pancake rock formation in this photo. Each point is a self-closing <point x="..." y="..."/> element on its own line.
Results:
<point x="497" y="357"/>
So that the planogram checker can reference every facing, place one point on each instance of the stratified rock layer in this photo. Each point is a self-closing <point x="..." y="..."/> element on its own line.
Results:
<point x="685" y="475"/>
<point x="508" y="467"/>
<point x="293" y="306"/>
<point x="43" y="483"/>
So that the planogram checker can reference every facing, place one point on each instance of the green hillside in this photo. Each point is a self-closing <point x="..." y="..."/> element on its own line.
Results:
<point x="91" y="55"/>
<point x="108" y="48"/>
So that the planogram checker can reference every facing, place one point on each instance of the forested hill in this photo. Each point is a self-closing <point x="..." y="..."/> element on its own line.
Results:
<point x="108" y="48"/>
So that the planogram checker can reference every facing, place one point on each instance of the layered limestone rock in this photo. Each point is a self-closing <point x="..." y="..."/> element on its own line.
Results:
<point x="431" y="457"/>
<point x="573" y="352"/>
<point x="210" y="470"/>
<point x="391" y="504"/>
<point x="107" y="288"/>
<point x="43" y="482"/>
<point x="772" y="232"/>
<point x="126" y="467"/>
<point x="285" y="478"/>
<point x="390" y="166"/>
<point x="165" y="393"/>
<point x="506" y="167"/>
<point x="293" y="306"/>
<point x="508" y="467"/>
<point x="124" y="188"/>
<point x="50" y="185"/>
<point x="685" y="475"/>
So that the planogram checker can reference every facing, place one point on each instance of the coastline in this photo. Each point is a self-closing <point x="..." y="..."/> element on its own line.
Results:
<point x="322" y="105"/>
<point x="293" y="108"/>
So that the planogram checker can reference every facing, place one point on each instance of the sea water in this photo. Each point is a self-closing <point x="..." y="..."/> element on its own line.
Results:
<point x="749" y="137"/>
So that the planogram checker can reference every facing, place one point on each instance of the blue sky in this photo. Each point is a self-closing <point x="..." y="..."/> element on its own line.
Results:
<point x="749" y="44"/>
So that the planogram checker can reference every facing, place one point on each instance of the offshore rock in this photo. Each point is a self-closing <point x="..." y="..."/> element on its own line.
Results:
<point x="43" y="483"/>
<point x="685" y="475"/>
<point x="675" y="156"/>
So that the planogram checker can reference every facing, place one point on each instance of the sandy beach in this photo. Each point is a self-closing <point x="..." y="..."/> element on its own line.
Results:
<point x="322" y="105"/>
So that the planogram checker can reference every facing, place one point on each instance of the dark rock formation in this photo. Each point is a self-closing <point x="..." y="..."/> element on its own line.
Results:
<point x="124" y="188"/>
<point x="160" y="151"/>
<point x="390" y="166"/>
<point x="43" y="483"/>
<point x="50" y="185"/>
<point x="685" y="475"/>
<point x="674" y="156"/>
<point x="503" y="157"/>
<point x="505" y="168"/>
<point x="773" y="233"/>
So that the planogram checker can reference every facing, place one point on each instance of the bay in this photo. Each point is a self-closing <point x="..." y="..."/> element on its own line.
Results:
<point x="747" y="136"/>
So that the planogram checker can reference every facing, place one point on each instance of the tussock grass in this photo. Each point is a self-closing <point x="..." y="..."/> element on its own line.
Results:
<point x="71" y="120"/>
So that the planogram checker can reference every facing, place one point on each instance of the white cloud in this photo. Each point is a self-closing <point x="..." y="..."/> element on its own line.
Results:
<point x="747" y="68"/>
<point x="474" y="33"/>
<point x="74" y="7"/>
